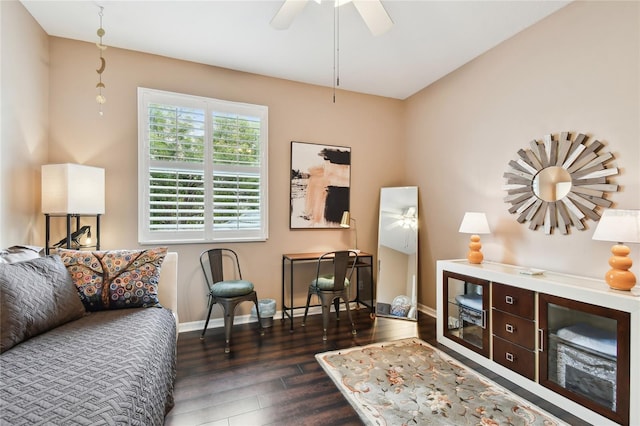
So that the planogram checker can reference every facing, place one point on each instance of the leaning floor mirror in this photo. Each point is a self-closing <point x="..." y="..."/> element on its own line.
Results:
<point x="396" y="288"/>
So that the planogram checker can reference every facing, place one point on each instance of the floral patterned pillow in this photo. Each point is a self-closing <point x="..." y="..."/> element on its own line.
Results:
<point x="115" y="279"/>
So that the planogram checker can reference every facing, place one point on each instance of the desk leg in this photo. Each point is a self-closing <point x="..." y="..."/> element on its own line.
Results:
<point x="358" y="300"/>
<point x="357" y="288"/>
<point x="287" y="310"/>
<point x="283" y="279"/>
<point x="291" y="294"/>
<point x="373" y="297"/>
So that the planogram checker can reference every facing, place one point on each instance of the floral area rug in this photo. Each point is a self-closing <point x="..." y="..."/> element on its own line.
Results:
<point x="409" y="382"/>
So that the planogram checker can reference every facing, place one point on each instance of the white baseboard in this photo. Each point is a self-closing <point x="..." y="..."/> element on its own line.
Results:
<point x="240" y="319"/>
<point x="427" y="310"/>
<point x="245" y="319"/>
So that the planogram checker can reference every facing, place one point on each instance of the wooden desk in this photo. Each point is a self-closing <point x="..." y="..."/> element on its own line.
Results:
<point x="289" y="260"/>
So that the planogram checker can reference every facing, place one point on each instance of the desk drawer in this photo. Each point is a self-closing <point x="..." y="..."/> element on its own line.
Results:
<point x="514" y="329"/>
<point x="514" y="357"/>
<point x="514" y="300"/>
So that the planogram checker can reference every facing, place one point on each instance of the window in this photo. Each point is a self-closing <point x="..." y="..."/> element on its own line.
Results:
<point x="202" y="169"/>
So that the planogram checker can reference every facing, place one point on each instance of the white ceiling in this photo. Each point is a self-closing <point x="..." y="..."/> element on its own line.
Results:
<point x="429" y="39"/>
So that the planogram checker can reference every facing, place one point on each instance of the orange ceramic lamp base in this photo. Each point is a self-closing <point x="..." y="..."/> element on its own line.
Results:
<point x="619" y="277"/>
<point x="475" y="255"/>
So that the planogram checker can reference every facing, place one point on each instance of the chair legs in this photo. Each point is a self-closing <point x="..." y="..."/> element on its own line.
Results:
<point x="255" y="302"/>
<point x="229" y="306"/>
<point x="345" y="297"/>
<point x="229" y="313"/>
<point x="306" y="309"/>
<point x="206" y="323"/>
<point x="326" y="304"/>
<point x="326" y="300"/>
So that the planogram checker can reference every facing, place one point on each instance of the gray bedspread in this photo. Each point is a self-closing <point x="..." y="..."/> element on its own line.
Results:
<point x="107" y="368"/>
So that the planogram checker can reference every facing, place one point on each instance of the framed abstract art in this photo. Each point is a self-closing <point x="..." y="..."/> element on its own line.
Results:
<point x="320" y="185"/>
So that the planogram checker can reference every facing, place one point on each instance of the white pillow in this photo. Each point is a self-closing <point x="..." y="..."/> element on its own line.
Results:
<point x="19" y="254"/>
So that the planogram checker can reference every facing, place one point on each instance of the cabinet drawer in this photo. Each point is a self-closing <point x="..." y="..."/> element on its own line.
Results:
<point x="515" y="300"/>
<point x="514" y="357"/>
<point x="514" y="329"/>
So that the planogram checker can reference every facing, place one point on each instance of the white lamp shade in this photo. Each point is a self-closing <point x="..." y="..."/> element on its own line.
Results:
<point x="621" y="226"/>
<point x="72" y="189"/>
<point x="474" y="223"/>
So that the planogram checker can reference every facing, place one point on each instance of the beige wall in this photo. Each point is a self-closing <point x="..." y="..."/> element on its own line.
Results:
<point x="25" y="109"/>
<point x="371" y="126"/>
<point x="577" y="71"/>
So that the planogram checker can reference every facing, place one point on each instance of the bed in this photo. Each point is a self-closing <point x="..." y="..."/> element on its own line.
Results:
<point x="104" y="368"/>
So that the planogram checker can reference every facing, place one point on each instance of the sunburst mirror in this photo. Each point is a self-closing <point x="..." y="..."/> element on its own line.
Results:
<point x="559" y="183"/>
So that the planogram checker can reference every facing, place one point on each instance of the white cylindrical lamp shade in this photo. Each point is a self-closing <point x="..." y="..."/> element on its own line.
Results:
<point x="72" y="189"/>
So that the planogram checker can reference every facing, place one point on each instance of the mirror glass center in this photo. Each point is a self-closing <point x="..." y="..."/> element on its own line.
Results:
<point x="552" y="184"/>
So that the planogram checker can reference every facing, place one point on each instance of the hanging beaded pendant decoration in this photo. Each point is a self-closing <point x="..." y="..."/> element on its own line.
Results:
<point x="100" y="97"/>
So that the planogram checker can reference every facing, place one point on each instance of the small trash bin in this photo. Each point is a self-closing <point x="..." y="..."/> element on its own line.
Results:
<point x="267" y="311"/>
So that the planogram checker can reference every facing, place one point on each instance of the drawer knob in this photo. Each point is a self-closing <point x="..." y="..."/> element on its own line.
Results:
<point x="508" y="300"/>
<point x="509" y="356"/>
<point x="510" y="328"/>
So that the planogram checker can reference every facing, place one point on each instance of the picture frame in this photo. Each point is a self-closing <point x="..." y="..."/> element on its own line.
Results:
<point x="320" y="184"/>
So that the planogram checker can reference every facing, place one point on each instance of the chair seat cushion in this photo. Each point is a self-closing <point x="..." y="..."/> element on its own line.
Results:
<point x="232" y="288"/>
<point x="325" y="282"/>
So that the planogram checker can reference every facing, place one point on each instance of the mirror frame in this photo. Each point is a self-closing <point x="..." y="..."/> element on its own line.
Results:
<point x="587" y="166"/>
<point x="397" y="254"/>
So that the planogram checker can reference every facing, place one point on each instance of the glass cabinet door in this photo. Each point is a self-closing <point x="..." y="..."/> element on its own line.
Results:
<point x="584" y="354"/>
<point x="466" y="300"/>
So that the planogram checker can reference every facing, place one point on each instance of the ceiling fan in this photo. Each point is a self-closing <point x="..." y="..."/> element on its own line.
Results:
<point x="372" y="12"/>
<point x="405" y="219"/>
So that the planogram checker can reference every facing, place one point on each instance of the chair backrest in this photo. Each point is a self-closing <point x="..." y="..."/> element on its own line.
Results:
<point x="212" y="262"/>
<point x="344" y="263"/>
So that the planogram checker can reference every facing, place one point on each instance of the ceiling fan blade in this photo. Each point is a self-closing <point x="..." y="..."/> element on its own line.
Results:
<point x="374" y="15"/>
<point x="287" y="13"/>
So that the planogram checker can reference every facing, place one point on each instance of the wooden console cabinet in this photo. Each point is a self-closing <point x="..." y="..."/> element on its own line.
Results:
<point x="570" y="340"/>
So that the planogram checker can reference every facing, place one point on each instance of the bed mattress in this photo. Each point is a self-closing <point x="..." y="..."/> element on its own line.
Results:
<point x="109" y="367"/>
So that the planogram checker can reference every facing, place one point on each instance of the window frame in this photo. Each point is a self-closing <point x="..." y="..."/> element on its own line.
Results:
<point x="210" y="106"/>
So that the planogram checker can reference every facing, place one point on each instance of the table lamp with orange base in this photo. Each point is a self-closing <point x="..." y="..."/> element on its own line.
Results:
<point x="474" y="223"/>
<point x="619" y="226"/>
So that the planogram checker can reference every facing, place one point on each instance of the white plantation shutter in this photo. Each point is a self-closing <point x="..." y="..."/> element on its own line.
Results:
<point x="236" y="201"/>
<point x="202" y="169"/>
<point x="176" y="200"/>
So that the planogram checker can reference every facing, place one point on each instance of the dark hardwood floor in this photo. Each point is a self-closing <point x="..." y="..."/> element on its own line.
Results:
<point x="275" y="380"/>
